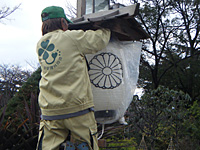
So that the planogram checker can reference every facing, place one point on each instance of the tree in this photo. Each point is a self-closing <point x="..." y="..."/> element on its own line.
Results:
<point x="11" y="79"/>
<point x="21" y="118"/>
<point x="184" y="53"/>
<point x="155" y="18"/>
<point x="170" y="56"/>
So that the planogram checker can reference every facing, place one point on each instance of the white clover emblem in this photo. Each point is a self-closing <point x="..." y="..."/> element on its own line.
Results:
<point x="105" y="71"/>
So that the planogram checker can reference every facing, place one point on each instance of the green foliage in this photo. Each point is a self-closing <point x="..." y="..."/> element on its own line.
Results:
<point x="192" y="126"/>
<point x="159" y="115"/>
<point x="20" y="131"/>
<point x="120" y="144"/>
<point x="117" y="137"/>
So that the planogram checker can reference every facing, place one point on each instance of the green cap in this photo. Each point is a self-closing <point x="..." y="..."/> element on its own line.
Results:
<point x="54" y="12"/>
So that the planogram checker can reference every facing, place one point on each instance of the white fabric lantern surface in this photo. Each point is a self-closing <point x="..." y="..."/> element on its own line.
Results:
<point x="114" y="73"/>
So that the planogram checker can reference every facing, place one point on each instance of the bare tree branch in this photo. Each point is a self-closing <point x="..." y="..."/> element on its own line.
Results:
<point x="7" y="11"/>
<point x="71" y="10"/>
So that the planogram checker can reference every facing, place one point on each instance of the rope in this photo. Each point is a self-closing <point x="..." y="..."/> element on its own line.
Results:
<point x="103" y="125"/>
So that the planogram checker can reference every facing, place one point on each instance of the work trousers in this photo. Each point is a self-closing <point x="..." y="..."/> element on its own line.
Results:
<point x="82" y="128"/>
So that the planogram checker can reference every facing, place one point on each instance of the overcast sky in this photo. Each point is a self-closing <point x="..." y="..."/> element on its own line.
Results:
<point x="19" y="34"/>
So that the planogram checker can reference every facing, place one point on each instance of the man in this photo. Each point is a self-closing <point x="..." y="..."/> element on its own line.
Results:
<point x="65" y="98"/>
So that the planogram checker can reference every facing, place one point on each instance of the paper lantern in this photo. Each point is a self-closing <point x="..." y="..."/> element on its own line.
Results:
<point x="113" y="73"/>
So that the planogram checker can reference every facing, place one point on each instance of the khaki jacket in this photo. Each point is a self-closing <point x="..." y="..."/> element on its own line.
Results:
<point x="65" y="85"/>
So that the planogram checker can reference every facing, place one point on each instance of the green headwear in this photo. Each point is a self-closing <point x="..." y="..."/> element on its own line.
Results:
<point x="54" y="12"/>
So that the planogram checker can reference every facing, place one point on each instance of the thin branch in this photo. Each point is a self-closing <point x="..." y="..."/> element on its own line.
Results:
<point x="7" y="11"/>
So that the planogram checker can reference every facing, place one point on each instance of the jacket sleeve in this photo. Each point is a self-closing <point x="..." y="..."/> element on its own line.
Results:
<point x="91" y="41"/>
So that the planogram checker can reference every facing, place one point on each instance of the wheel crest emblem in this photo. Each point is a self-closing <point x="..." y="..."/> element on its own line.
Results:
<point x="105" y="71"/>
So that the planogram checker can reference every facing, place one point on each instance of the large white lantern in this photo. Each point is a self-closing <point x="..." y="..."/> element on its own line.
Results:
<point x="113" y="74"/>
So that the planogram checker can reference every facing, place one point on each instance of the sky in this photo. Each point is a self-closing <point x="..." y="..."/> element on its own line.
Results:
<point x="20" y="32"/>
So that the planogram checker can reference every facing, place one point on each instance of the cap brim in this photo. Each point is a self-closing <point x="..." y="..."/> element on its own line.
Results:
<point x="69" y="21"/>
